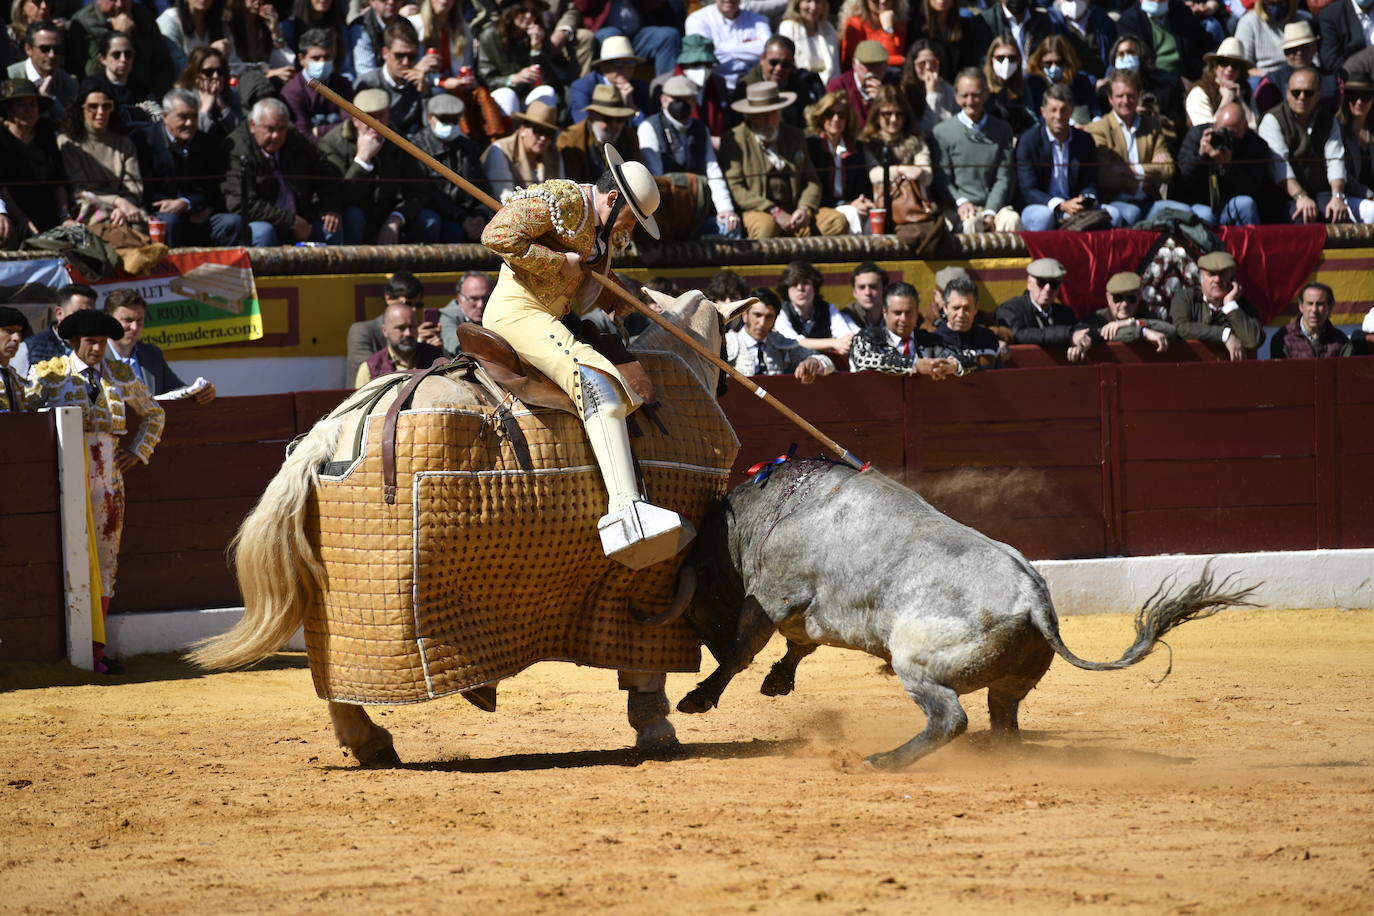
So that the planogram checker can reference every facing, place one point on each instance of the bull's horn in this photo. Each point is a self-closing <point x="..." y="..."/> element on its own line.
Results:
<point x="686" y="588"/>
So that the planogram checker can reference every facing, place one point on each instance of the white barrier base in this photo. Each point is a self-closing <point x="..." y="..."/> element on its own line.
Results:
<point x="1293" y="580"/>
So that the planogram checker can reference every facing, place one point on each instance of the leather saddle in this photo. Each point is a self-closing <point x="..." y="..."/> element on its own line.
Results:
<point x="532" y="387"/>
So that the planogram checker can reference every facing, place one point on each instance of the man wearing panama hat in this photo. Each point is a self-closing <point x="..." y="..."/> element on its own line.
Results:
<point x="547" y="235"/>
<point x="775" y="187"/>
<point x="614" y="67"/>
<point x="527" y="156"/>
<point x="1299" y="52"/>
<point x="606" y="124"/>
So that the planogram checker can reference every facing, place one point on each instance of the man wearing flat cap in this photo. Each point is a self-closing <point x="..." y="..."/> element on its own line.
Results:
<point x="1215" y="311"/>
<point x="460" y="216"/>
<point x="868" y="71"/>
<point x="14" y="327"/>
<point x="771" y="178"/>
<point x="1034" y="317"/>
<point x="675" y="142"/>
<point x="383" y="188"/>
<point x="607" y="123"/>
<point x="614" y="67"/>
<point x="547" y="235"/>
<point x="105" y="391"/>
<point x="1120" y="322"/>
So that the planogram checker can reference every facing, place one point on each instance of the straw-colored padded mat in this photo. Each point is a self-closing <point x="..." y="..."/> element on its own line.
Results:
<point x="481" y="569"/>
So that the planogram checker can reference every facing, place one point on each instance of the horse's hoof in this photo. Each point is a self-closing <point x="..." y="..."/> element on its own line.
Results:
<point x="484" y="697"/>
<point x="657" y="738"/>
<point x="384" y="757"/>
<point x="695" y="702"/>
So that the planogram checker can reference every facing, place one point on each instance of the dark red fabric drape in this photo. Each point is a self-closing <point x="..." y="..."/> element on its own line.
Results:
<point x="1274" y="261"/>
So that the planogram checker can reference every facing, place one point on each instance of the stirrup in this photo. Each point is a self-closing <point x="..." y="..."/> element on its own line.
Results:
<point x="641" y="534"/>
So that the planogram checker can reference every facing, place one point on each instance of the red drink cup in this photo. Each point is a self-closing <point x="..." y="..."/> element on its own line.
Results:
<point x="157" y="231"/>
<point x="877" y="220"/>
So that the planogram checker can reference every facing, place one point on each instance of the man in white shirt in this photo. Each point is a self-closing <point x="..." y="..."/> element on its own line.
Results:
<point x="675" y="141"/>
<point x="757" y="349"/>
<point x="739" y="37"/>
<point x="44" y="44"/>
<point x="1308" y="151"/>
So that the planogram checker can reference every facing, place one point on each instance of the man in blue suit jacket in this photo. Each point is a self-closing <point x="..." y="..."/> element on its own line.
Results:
<point x="615" y="67"/>
<point x="1056" y="166"/>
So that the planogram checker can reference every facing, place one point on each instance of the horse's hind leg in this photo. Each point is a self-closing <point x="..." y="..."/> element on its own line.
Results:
<point x="646" y="706"/>
<point x="945" y="719"/>
<point x="782" y="677"/>
<point x="369" y="743"/>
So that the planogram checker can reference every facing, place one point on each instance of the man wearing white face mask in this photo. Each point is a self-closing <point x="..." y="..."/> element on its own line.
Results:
<point x="738" y="36"/>
<point x="1171" y="34"/>
<point x="311" y="113"/>
<point x="607" y="122"/>
<point x="1090" y="31"/>
<point x="460" y="217"/>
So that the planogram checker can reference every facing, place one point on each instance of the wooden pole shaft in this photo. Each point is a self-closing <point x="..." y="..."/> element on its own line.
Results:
<point x="625" y="296"/>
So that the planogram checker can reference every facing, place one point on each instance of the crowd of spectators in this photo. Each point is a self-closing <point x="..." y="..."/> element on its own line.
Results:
<point x="760" y="118"/>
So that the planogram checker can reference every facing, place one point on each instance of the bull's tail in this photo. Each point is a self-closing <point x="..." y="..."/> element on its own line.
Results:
<point x="1162" y="612"/>
<point x="279" y="574"/>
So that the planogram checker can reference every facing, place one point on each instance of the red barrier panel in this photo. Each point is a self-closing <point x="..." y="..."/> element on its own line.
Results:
<point x="32" y="602"/>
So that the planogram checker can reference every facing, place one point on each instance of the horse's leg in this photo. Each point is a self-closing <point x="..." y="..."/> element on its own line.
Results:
<point x="647" y="708"/>
<point x="782" y="677"/>
<point x="370" y="743"/>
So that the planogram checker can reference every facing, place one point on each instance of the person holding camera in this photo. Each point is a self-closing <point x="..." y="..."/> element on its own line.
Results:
<point x="1225" y="172"/>
<point x="1056" y="166"/>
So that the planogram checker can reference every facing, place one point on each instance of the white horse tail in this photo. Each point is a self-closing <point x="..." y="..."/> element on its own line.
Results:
<point x="278" y="571"/>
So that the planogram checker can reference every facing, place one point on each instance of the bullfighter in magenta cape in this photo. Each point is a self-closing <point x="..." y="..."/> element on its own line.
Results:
<point x="547" y="235"/>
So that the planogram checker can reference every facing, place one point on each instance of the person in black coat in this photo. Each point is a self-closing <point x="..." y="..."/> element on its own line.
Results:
<point x="1178" y="20"/>
<point x="995" y="22"/>
<point x="779" y="64"/>
<point x="1341" y="33"/>
<point x="1245" y="193"/>
<point x="1049" y="197"/>
<point x="1034" y="317"/>
<point x="461" y="217"/>
<point x="179" y="164"/>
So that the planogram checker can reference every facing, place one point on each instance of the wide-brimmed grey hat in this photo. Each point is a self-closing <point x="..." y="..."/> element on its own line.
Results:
<point x="763" y="96"/>
<point x="607" y="101"/>
<point x="637" y="187"/>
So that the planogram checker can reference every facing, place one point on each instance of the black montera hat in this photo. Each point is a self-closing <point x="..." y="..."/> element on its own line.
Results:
<point x="90" y="323"/>
<point x="11" y="317"/>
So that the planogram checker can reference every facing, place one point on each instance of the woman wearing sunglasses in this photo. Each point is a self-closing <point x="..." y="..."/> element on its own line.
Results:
<point x="207" y="75"/>
<point x="1356" y="103"/>
<point x="101" y="165"/>
<point x="116" y="75"/>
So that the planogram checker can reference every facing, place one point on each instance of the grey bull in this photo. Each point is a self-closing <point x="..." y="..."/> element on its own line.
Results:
<point x="831" y="556"/>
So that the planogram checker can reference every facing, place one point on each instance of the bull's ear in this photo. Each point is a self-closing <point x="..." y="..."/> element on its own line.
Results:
<point x="728" y="310"/>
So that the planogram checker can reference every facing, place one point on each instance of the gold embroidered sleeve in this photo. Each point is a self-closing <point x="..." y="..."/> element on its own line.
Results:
<point x="513" y="231"/>
<point x="45" y="380"/>
<point x="137" y="396"/>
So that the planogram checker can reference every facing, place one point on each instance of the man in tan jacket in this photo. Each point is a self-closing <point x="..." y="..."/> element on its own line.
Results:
<point x="769" y="173"/>
<point x="1133" y="162"/>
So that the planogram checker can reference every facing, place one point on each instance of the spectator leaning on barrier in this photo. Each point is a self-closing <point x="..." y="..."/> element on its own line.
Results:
<point x="72" y="298"/>
<point x="1311" y="335"/>
<point x="181" y="164"/>
<point x="1309" y="154"/>
<point x="770" y="174"/>
<point x="673" y="141"/>
<point x="1226" y="174"/>
<point x="384" y="189"/>
<point x="1034" y="317"/>
<point x="467" y="305"/>
<point x="972" y="345"/>
<point x="14" y="327"/>
<point x="402" y="351"/>
<point x="898" y="345"/>
<point x="757" y="349"/>
<point x="974" y="162"/>
<point x="291" y="194"/>
<point x="1118" y="321"/>
<point x="461" y="217"/>
<point x="367" y="337"/>
<point x="1215" y="311"/>
<point x="145" y="360"/>
<point x="105" y="392"/>
<point x="807" y="317"/>
<point x="1056" y="166"/>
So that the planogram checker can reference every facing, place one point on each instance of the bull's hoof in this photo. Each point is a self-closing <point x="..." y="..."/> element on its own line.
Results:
<point x="697" y="701"/>
<point x="777" y="683"/>
<point x="380" y="758"/>
<point x="888" y="762"/>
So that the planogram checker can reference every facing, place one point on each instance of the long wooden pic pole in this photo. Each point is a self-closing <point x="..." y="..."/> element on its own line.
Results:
<point x="844" y="454"/>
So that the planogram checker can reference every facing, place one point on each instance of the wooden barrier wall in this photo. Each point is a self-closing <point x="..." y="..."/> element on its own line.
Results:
<point x="1100" y="460"/>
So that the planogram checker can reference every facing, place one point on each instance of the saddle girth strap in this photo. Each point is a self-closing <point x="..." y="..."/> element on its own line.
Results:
<point x="502" y="412"/>
<point x="389" y="429"/>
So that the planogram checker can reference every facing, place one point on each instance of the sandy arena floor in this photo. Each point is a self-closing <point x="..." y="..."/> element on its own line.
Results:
<point x="1242" y="784"/>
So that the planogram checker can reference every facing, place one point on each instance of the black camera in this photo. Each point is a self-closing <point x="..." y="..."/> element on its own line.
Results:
<point x="1223" y="139"/>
